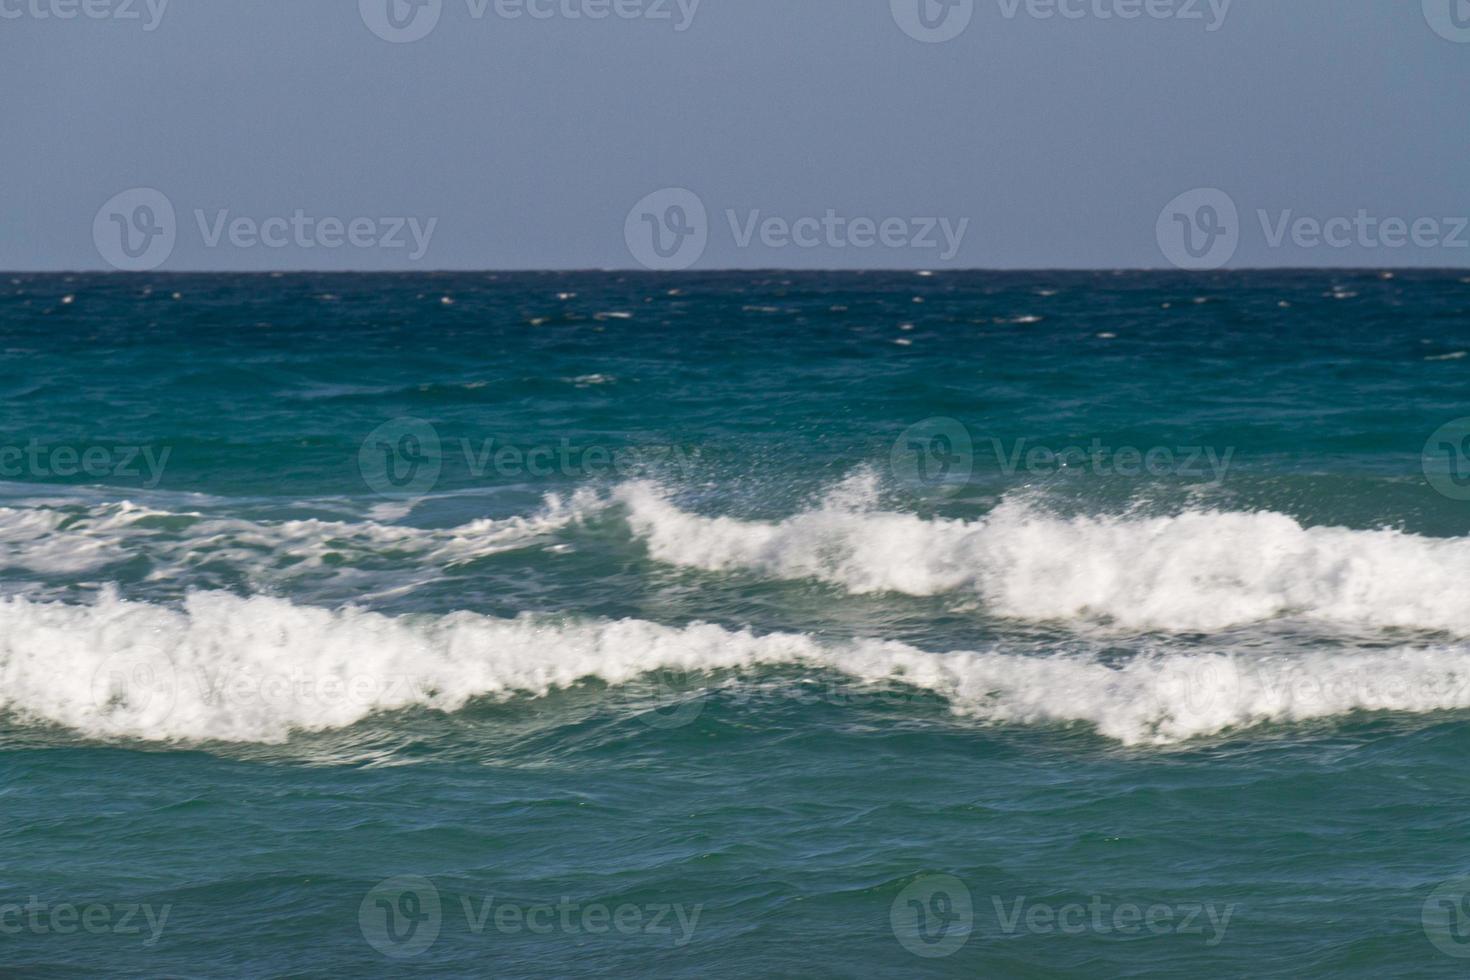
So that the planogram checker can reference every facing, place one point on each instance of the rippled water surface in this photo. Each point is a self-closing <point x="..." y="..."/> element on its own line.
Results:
<point x="706" y="625"/>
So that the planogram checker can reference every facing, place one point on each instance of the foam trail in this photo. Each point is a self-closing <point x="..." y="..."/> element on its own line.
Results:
<point x="34" y="538"/>
<point x="71" y="539"/>
<point x="1199" y="570"/>
<point x="223" y="667"/>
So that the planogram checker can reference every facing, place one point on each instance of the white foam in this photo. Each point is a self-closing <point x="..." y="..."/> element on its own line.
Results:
<point x="45" y="539"/>
<point x="69" y="538"/>
<point x="255" y="669"/>
<point x="1199" y="570"/>
<point x="223" y="667"/>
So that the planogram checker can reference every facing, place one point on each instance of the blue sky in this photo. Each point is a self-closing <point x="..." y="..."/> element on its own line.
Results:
<point x="813" y="133"/>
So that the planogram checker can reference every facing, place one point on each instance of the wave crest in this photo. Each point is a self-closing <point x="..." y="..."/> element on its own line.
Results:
<point x="256" y="669"/>
<point x="1196" y="571"/>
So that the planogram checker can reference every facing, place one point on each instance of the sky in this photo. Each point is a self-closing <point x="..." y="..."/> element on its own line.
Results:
<point x="528" y="134"/>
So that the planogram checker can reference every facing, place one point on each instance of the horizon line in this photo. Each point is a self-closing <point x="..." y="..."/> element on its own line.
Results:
<point x="585" y="270"/>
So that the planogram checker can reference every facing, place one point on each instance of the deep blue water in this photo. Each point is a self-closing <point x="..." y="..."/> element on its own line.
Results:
<point x="735" y="624"/>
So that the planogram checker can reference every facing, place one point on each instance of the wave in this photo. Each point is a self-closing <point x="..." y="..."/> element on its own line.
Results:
<point x="1195" y="571"/>
<point x="256" y="669"/>
<point x="68" y="538"/>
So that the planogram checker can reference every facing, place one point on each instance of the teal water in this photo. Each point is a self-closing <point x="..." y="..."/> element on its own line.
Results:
<point x="738" y="624"/>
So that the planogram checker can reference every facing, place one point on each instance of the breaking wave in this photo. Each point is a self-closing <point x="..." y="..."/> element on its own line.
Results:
<point x="256" y="669"/>
<point x="1200" y="570"/>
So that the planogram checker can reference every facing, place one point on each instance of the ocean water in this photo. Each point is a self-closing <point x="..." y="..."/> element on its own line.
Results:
<point x="737" y="624"/>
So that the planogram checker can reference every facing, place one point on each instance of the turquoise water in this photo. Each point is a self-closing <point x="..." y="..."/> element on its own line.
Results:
<point x="1014" y="625"/>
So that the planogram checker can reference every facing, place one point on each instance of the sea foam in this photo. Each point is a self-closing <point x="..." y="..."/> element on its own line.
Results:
<point x="1200" y="570"/>
<point x="1195" y="571"/>
<point x="69" y="537"/>
<point x="256" y="669"/>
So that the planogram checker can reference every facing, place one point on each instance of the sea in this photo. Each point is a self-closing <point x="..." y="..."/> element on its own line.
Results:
<point x="735" y="624"/>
